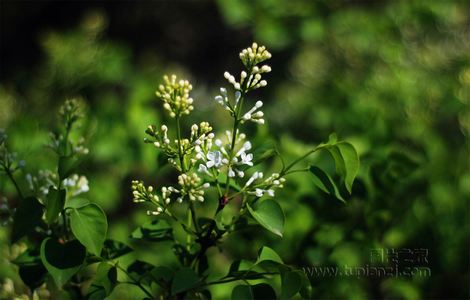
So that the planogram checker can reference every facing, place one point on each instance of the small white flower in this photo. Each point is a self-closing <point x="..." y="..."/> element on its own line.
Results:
<point x="247" y="159"/>
<point x="214" y="159"/>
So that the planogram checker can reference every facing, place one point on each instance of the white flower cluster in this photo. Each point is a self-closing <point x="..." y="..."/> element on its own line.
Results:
<point x="251" y="78"/>
<point x="175" y="95"/>
<point x="258" y="187"/>
<point x="76" y="185"/>
<point x="254" y="55"/>
<point x="56" y="140"/>
<point x="146" y="194"/>
<point x="161" y="139"/>
<point x="40" y="183"/>
<point x="214" y="159"/>
<point x="229" y="155"/>
<point x="190" y="186"/>
<point x="253" y="114"/>
<point x="200" y="135"/>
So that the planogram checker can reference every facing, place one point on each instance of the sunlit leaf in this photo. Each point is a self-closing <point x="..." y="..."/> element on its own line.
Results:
<point x="89" y="225"/>
<point x="269" y="214"/>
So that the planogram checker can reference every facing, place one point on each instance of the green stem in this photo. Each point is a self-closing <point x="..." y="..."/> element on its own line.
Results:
<point x="217" y="182"/>
<point x="17" y="187"/>
<point x="188" y="236"/>
<point x="292" y="164"/>
<point x="193" y="215"/>
<point x="188" y="230"/>
<point x="220" y="281"/>
<point x="135" y="282"/>
<point x="236" y="122"/>
<point x="180" y="154"/>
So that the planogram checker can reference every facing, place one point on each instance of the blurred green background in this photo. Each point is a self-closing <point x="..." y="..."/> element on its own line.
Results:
<point x="391" y="77"/>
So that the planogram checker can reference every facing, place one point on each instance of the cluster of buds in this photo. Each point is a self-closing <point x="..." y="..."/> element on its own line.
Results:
<point x="8" y="160"/>
<point x="251" y="78"/>
<point x="200" y="134"/>
<point x="161" y="139"/>
<point x="40" y="183"/>
<point x="146" y="194"/>
<point x="256" y="186"/>
<point x="76" y="185"/>
<point x="71" y="111"/>
<point x="254" y="114"/>
<point x="191" y="186"/>
<point x="213" y="156"/>
<point x="254" y="55"/>
<point x="223" y="100"/>
<point x="175" y="95"/>
<point x="212" y="160"/>
<point x="142" y="193"/>
<point x="80" y="148"/>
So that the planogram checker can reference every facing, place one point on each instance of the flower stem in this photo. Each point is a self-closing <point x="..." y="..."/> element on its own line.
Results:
<point x="236" y="122"/>
<point x="17" y="187"/>
<point x="178" y="133"/>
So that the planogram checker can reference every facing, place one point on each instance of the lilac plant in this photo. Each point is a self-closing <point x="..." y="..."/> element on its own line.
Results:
<point x="65" y="233"/>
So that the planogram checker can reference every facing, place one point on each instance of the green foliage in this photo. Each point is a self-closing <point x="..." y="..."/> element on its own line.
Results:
<point x="156" y="230"/>
<point x="268" y="214"/>
<point x="62" y="260"/>
<point x="89" y="225"/>
<point x="54" y="204"/>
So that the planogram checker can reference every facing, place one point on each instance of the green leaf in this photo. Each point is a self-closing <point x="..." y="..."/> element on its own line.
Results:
<point x="242" y="292"/>
<point x="89" y="225"/>
<point x="264" y="156"/>
<point x="243" y="268"/>
<point x="62" y="260"/>
<point x="76" y="202"/>
<point x="268" y="254"/>
<point x="28" y="258"/>
<point x="31" y="269"/>
<point x="28" y="215"/>
<point x="324" y="182"/>
<point x="113" y="249"/>
<point x="162" y="274"/>
<point x="55" y="201"/>
<point x="346" y="161"/>
<point x="104" y="283"/>
<point x="263" y="291"/>
<point x="141" y="270"/>
<point x="156" y="230"/>
<point x="351" y="163"/>
<point x="291" y="284"/>
<point x="67" y="165"/>
<point x="184" y="279"/>
<point x="33" y="276"/>
<point x="126" y="291"/>
<point x="269" y="214"/>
